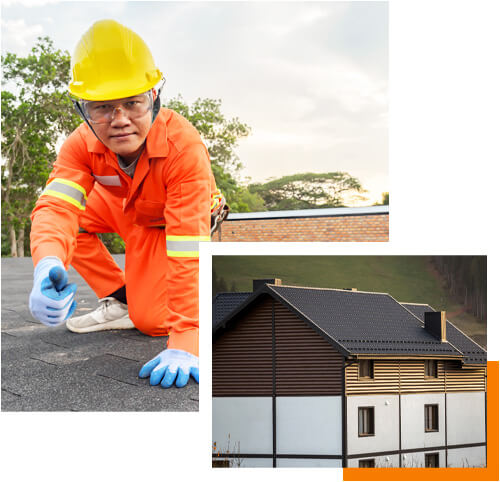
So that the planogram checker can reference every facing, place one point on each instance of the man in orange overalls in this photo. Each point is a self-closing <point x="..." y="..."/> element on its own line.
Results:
<point x="138" y="170"/>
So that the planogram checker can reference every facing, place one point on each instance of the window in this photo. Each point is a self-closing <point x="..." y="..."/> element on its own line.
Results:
<point x="431" y="369"/>
<point x="366" y="423"/>
<point x="366" y="463"/>
<point x="432" y="460"/>
<point x="431" y="418"/>
<point x="366" y="369"/>
<point x="220" y="463"/>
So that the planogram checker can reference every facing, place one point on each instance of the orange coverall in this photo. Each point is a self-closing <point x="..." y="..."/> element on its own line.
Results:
<point x="162" y="213"/>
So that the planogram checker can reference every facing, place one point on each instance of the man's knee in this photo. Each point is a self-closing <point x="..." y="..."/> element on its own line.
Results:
<point x="150" y="320"/>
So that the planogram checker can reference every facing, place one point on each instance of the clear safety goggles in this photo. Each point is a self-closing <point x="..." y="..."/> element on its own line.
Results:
<point x="103" y="112"/>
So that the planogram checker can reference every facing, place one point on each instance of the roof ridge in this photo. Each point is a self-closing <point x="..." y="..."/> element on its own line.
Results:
<point x="416" y="304"/>
<point x="330" y="289"/>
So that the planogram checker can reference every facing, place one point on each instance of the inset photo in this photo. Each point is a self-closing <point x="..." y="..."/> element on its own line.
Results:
<point x="349" y="361"/>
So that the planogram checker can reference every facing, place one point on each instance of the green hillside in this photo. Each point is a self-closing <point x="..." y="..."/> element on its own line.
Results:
<point x="406" y="278"/>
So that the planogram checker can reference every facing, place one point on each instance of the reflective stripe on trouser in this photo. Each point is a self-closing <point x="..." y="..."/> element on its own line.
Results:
<point x="184" y="246"/>
<point x="68" y="191"/>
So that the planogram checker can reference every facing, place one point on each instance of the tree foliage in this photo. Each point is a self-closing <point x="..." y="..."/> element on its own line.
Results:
<point x="36" y="112"/>
<point x="221" y="137"/>
<point x="308" y="190"/>
<point x="465" y="278"/>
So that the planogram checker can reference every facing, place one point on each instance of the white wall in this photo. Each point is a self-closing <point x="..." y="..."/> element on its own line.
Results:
<point x="309" y="425"/>
<point x="468" y="457"/>
<point x="386" y="436"/>
<point x="309" y="463"/>
<point x="248" y="420"/>
<point x="465" y="418"/>
<point x="413" y="434"/>
<point x="417" y="459"/>
<point x="383" y="461"/>
<point x="251" y="462"/>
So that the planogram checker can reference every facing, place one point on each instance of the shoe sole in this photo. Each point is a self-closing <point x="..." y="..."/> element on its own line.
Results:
<point x="121" y="324"/>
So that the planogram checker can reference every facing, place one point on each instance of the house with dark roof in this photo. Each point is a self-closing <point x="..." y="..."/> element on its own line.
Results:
<point x="343" y="378"/>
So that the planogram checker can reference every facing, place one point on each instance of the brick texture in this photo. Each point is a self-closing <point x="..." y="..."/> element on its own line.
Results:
<point x="359" y="228"/>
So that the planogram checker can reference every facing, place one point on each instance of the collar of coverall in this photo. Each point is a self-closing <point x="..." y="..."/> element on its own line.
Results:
<point x="155" y="140"/>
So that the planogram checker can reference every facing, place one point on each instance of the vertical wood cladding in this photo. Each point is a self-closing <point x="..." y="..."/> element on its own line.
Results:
<point x="242" y="355"/>
<point x="408" y="376"/>
<point x="306" y="364"/>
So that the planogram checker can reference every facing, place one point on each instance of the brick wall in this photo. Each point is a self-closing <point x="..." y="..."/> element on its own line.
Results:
<point x="336" y="225"/>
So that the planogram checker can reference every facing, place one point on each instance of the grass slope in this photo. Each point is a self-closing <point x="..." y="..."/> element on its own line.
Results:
<point x="406" y="278"/>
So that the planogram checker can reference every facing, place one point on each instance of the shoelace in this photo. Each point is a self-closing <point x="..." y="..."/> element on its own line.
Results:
<point x="104" y="303"/>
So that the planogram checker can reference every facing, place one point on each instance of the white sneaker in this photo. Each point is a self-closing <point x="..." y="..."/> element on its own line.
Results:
<point x="111" y="314"/>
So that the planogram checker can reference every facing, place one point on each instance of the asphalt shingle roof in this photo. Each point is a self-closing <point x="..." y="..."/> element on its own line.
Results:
<point x="474" y="354"/>
<point x="224" y="303"/>
<point x="53" y="369"/>
<point x="360" y="322"/>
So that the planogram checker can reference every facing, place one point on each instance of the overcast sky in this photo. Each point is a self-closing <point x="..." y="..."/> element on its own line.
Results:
<point x="309" y="78"/>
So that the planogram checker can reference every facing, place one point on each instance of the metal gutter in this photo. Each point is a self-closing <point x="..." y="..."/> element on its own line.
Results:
<point x="311" y="213"/>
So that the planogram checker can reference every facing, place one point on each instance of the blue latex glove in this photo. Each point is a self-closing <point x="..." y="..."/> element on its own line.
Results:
<point x="169" y="365"/>
<point x="52" y="299"/>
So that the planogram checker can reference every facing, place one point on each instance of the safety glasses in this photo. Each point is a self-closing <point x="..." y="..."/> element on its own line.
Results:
<point x="103" y="112"/>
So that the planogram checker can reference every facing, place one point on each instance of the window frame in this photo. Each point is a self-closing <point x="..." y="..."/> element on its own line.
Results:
<point x="431" y="454"/>
<point x="436" y="418"/>
<point x="370" y="461"/>
<point x="435" y="370"/>
<point x="371" y="410"/>
<point x="371" y="370"/>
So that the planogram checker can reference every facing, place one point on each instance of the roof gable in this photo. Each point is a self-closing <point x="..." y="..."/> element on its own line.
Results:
<point x="356" y="322"/>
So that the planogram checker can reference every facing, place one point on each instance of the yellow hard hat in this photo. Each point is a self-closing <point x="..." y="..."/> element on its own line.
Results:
<point x="112" y="62"/>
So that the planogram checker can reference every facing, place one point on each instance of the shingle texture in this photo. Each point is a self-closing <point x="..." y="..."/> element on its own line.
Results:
<point x="53" y="369"/>
<point x="474" y="354"/>
<point x="364" y="322"/>
<point x="361" y="322"/>
<point x="224" y="303"/>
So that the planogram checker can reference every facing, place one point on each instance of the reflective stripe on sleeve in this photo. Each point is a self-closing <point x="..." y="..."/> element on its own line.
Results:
<point x="184" y="246"/>
<point x="69" y="191"/>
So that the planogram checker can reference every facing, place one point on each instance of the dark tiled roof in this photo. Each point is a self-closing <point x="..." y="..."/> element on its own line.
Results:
<point x="358" y="322"/>
<point x="224" y="303"/>
<point x="371" y="323"/>
<point x="474" y="354"/>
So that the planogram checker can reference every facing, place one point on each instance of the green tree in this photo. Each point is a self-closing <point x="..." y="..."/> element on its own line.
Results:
<point x="308" y="190"/>
<point x="36" y="112"/>
<point x="384" y="201"/>
<point x="221" y="137"/>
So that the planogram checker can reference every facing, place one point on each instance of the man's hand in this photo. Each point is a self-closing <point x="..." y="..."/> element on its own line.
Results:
<point x="171" y="366"/>
<point x="52" y="299"/>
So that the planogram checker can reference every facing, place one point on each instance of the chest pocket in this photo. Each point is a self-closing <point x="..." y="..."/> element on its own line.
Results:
<point x="149" y="213"/>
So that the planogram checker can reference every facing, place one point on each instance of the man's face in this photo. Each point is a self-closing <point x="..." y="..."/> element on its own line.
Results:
<point x="127" y="126"/>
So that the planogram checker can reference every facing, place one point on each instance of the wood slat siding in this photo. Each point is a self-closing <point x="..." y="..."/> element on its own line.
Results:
<point x="408" y="376"/>
<point x="413" y="377"/>
<point x="464" y="379"/>
<point x="242" y="356"/>
<point x="385" y="378"/>
<point x="306" y="364"/>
